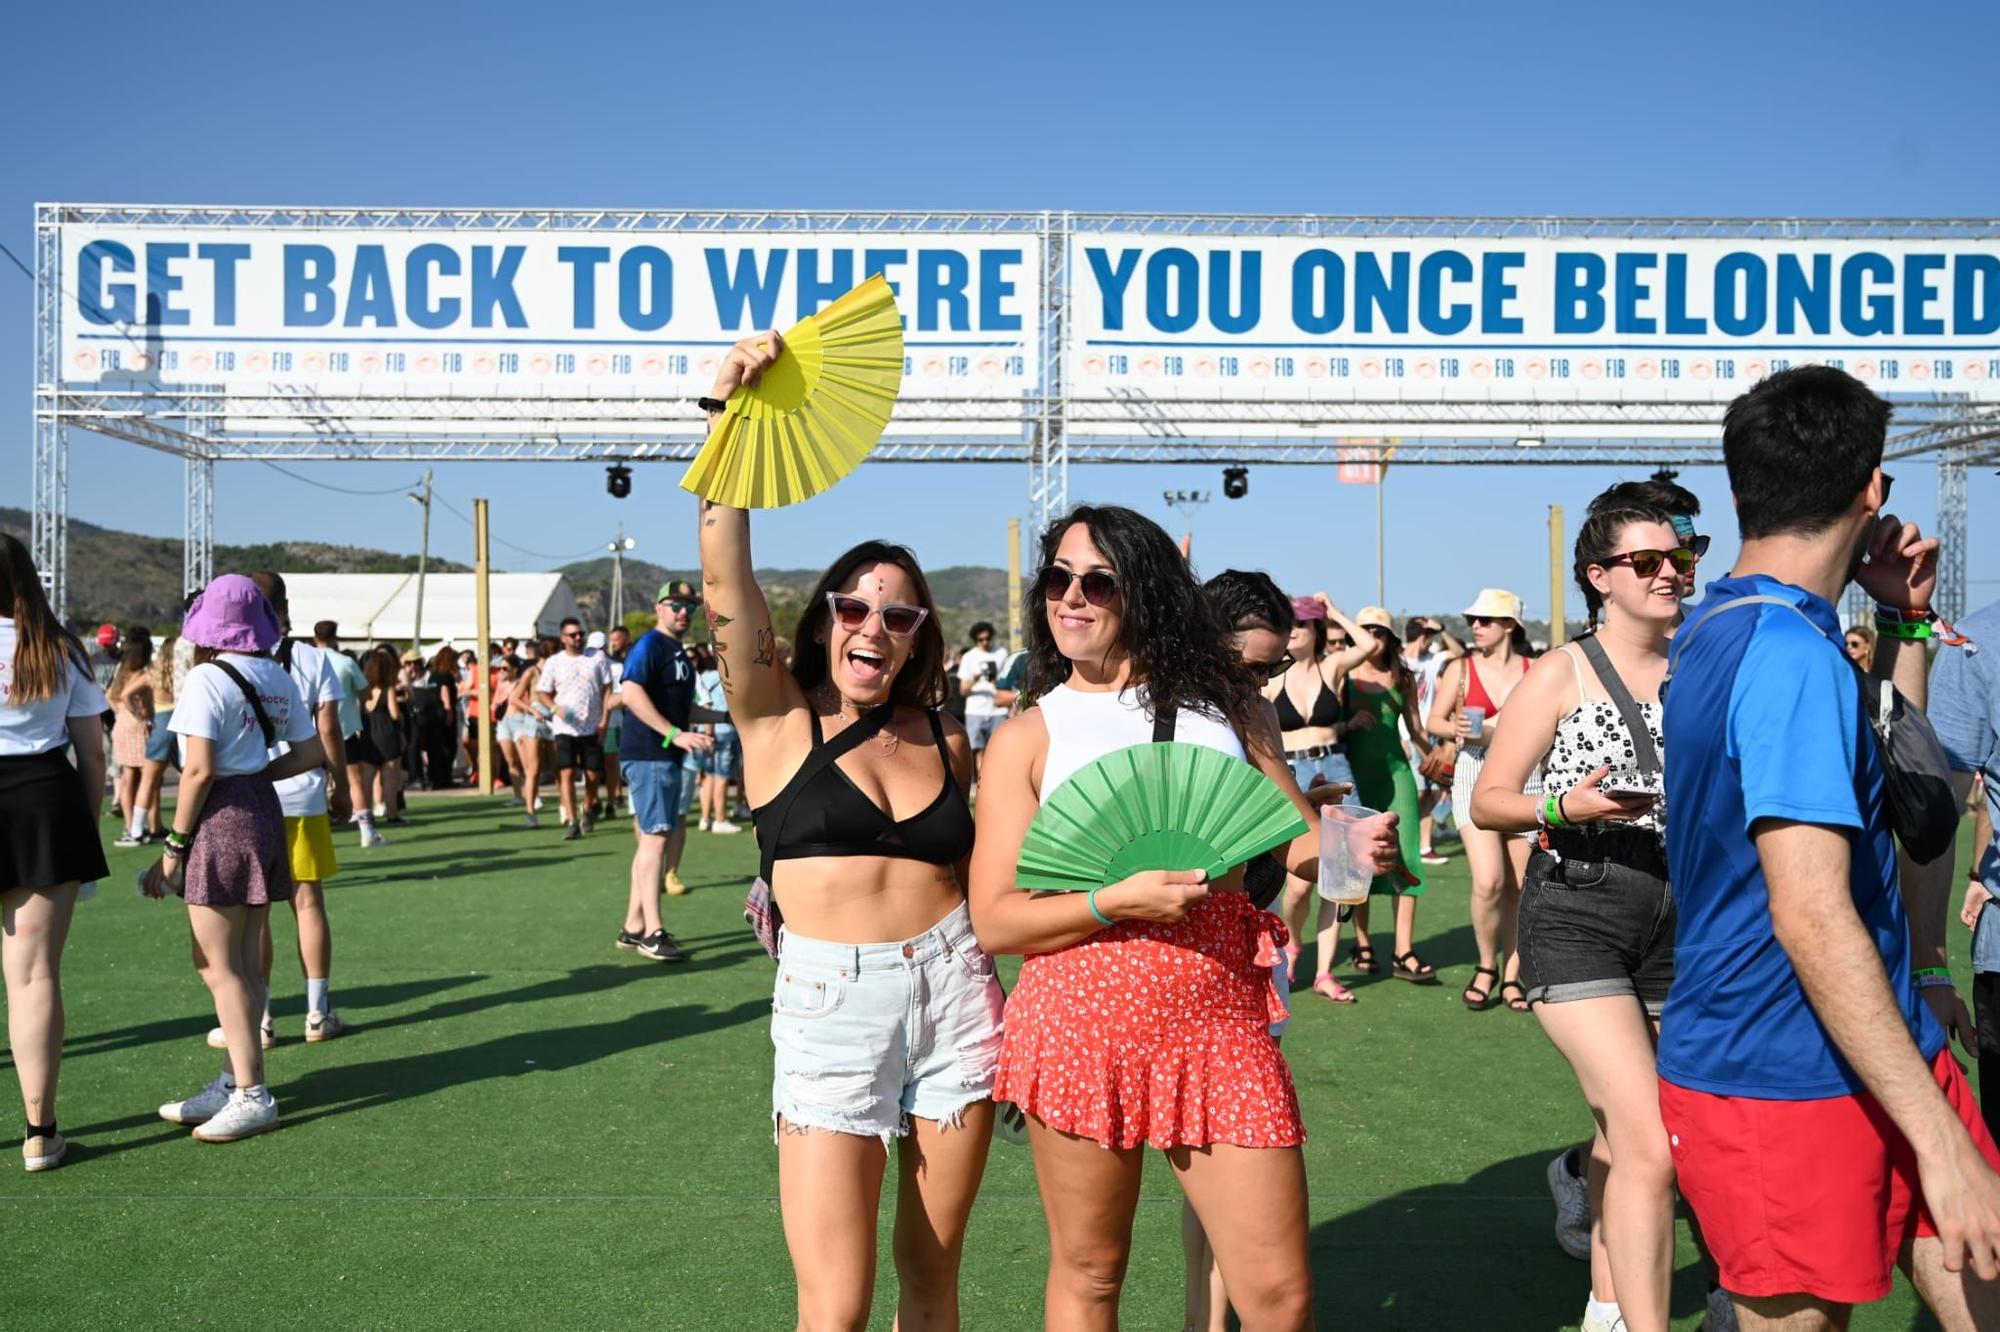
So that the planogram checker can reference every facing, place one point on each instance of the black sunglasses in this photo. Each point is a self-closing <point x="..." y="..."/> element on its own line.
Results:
<point x="1646" y="563"/>
<point x="1271" y="670"/>
<point x="1099" y="586"/>
<point x="851" y="613"/>
<point x="1888" y="484"/>
<point x="1482" y="619"/>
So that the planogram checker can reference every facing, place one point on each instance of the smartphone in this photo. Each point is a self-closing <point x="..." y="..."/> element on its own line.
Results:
<point x="1630" y="783"/>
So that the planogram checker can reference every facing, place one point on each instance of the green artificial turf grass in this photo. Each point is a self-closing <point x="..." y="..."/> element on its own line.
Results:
<point x="527" y="1128"/>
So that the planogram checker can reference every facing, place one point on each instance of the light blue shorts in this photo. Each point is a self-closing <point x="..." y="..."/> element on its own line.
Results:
<point x="1333" y="767"/>
<point x="869" y="1035"/>
<point x="655" y="788"/>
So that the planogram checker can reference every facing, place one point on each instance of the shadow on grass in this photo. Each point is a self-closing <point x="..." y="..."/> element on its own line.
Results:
<point x="325" y="1092"/>
<point x="1473" y="1254"/>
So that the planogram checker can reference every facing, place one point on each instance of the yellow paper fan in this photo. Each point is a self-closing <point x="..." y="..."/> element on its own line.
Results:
<point x="816" y="412"/>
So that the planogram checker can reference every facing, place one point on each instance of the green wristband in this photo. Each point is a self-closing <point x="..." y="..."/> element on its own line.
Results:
<point x="1552" y="812"/>
<point x="667" y="741"/>
<point x="1916" y="630"/>
<point x="1091" y="902"/>
<point x="1921" y="972"/>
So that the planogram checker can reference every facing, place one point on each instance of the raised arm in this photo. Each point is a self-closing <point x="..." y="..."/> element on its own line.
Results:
<point x="758" y="686"/>
<point x="1362" y="642"/>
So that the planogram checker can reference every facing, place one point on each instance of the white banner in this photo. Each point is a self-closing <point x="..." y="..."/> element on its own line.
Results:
<point x="1389" y="319"/>
<point x="522" y="314"/>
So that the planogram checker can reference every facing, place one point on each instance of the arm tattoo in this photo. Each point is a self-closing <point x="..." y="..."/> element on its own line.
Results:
<point x="719" y="620"/>
<point x="767" y="649"/>
<point x="722" y="667"/>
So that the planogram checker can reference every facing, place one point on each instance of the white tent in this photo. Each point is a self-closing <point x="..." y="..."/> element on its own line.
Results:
<point x="374" y="608"/>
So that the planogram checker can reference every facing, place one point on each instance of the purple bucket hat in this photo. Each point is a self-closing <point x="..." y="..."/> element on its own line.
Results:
<point x="1307" y="608"/>
<point x="231" y="615"/>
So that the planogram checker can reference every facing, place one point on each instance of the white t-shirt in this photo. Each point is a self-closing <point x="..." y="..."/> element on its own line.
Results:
<point x="210" y="705"/>
<point x="972" y="666"/>
<point x="1426" y="668"/>
<point x="36" y="728"/>
<point x="317" y="682"/>
<point x="578" y="684"/>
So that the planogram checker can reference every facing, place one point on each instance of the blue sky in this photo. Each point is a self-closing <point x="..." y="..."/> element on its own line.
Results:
<point x="1724" y="110"/>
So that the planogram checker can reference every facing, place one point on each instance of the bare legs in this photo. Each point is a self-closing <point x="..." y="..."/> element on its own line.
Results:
<point x="1252" y="1207"/>
<point x="228" y="952"/>
<point x="152" y="777"/>
<point x="642" y="906"/>
<point x="1496" y="897"/>
<point x="1960" y="1300"/>
<point x="34" y="925"/>
<point x="830" y="1190"/>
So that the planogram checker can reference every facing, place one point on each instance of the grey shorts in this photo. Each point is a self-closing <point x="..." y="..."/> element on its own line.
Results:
<point x="869" y="1035"/>
<point x="980" y="728"/>
<point x="1594" y="928"/>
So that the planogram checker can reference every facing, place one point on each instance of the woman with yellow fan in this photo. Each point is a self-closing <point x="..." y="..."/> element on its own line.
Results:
<point x="886" y="1013"/>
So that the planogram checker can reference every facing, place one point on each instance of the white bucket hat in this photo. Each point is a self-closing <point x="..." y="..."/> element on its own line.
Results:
<point x="1496" y="604"/>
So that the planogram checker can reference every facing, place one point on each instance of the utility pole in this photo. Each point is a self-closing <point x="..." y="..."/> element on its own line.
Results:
<point x="618" y="549"/>
<point x="1014" y="584"/>
<point x="482" y="670"/>
<point x="1381" y="559"/>
<point x="423" y="558"/>
<point x="1558" y="631"/>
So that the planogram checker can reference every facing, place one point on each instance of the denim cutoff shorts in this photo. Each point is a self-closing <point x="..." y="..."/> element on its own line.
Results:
<point x="1591" y="928"/>
<point x="869" y="1035"/>
<point x="160" y="742"/>
<point x="1334" y="767"/>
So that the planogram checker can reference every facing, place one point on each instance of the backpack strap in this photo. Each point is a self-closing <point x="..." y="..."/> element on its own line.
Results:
<point x="1687" y="631"/>
<point x="1643" y="750"/>
<point x="1163" y="725"/>
<point x="256" y="704"/>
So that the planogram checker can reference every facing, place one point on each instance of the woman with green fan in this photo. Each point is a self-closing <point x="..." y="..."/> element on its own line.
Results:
<point x="1143" y="773"/>
<point x="886" y="1013"/>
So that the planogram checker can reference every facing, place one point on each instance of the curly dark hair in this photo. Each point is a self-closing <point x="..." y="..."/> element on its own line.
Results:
<point x="920" y="681"/>
<point x="1248" y="599"/>
<point x="1178" y="648"/>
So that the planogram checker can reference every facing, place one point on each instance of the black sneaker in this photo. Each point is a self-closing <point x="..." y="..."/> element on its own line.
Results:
<point x="589" y="822"/>
<point x="629" y="941"/>
<point x="662" y="947"/>
<point x="572" y="833"/>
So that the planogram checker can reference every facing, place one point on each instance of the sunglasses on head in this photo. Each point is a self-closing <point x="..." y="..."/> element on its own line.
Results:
<point x="1646" y="563"/>
<point x="1099" y="585"/>
<point x="851" y="613"/>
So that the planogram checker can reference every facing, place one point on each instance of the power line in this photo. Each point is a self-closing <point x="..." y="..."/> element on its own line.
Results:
<point x="17" y="261"/>
<point x="326" y="485"/>
<point x="453" y="510"/>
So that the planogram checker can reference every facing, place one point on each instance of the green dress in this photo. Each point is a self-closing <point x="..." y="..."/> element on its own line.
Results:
<point x="1382" y="776"/>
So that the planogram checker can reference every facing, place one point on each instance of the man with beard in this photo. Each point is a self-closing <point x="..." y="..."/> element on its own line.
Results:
<point x="1820" y="1128"/>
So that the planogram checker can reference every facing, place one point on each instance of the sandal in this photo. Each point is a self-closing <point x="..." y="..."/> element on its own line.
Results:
<point x="1518" y="1003"/>
<point x="1423" y="973"/>
<point x="1329" y="988"/>
<point x="1363" y="960"/>
<point x="1475" y="998"/>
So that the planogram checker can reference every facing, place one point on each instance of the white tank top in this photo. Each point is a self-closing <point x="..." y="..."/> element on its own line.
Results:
<point x="1086" y="726"/>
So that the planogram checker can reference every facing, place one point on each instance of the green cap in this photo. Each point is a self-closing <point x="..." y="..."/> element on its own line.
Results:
<point x="678" y="589"/>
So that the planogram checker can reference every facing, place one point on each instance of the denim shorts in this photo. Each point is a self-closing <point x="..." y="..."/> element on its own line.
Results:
<point x="1334" y="767"/>
<point x="1594" y="928"/>
<point x="979" y="727"/>
<point x="160" y="744"/>
<point x="869" y="1035"/>
<point x="654" y="786"/>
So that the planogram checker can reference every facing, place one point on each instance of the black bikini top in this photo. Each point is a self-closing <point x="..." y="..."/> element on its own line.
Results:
<point x="821" y="812"/>
<point x="1326" y="709"/>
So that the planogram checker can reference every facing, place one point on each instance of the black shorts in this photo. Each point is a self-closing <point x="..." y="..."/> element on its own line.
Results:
<point x="48" y="835"/>
<point x="580" y="751"/>
<point x="1594" y="928"/>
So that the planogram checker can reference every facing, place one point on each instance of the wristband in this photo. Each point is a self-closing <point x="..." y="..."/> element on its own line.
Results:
<point x="1903" y="630"/>
<point x="711" y="404"/>
<point x="1925" y="973"/>
<point x="667" y="741"/>
<point x="1552" y="813"/>
<point x="1934" y="983"/>
<point x="178" y="841"/>
<point x="1091" y="902"/>
<point x="1901" y="616"/>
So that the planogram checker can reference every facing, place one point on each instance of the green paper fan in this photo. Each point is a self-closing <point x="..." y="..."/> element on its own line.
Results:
<point x="1162" y="806"/>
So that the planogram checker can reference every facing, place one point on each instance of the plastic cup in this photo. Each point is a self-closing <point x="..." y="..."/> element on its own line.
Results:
<point x="1346" y="868"/>
<point x="1475" y="724"/>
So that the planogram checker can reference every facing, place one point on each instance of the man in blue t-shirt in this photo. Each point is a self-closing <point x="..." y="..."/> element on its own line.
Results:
<point x="1820" y="1128"/>
<point x="657" y="695"/>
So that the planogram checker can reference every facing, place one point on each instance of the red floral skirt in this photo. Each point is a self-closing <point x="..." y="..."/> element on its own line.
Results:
<point x="1156" y="1035"/>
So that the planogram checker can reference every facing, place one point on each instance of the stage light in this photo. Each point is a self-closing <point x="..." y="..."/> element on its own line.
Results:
<point x="1235" y="482"/>
<point x="618" y="480"/>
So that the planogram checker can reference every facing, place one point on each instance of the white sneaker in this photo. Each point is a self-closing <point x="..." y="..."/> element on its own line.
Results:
<point x="1721" y="1315"/>
<point x="1572" y="1199"/>
<point x="704" y="825"/>
<point x="531" y="821"/>
<point x="203" y="1106"/>
<point x="724" y="826"/>
<point x="40" y="1153"/>
<point x="1614" y="1321"/>
<point x="218" y="1041"/>
<point x="324" y="1026"/>
<point x="130" y="838"/>
<point x="246" y="1115"/>
<point x="371" y="838"/>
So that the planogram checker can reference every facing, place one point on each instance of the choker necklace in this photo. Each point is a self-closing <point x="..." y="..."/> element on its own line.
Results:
<point x="886" y="739"/>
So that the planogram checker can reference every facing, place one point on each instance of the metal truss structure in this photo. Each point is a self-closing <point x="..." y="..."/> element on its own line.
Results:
<point x="282" y="423"/>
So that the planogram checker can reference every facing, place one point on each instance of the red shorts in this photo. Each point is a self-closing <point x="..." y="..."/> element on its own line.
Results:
<point x="1806" y="1197"/>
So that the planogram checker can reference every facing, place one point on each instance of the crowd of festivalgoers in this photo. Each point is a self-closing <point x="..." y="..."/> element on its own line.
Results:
<point x="1710" y="845"/>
